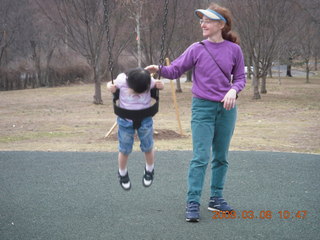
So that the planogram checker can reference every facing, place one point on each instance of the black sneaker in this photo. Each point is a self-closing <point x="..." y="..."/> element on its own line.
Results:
<point x="147" y="178"/>
<point x="124" y="181"/>
<point x="193" y="212"/>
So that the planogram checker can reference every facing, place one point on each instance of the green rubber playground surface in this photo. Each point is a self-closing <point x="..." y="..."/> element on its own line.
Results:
<point x="66" y="195"/>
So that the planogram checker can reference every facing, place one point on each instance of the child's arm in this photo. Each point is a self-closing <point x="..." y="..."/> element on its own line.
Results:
<point x="159" y="84"/>
<point x="111" y="87"/>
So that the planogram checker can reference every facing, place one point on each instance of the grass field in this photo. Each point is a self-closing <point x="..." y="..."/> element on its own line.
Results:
<point x="286" y="119"/>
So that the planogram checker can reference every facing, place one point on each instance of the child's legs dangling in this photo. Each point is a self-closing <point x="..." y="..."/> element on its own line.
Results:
<point x="145" y="133"/>
<point x="149" y="160"/>
<point x="224" y="128"/>
<point x="126" y="138"/>
<point x="123" y="161"/>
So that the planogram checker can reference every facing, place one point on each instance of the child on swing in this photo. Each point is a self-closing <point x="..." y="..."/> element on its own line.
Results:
<point x="135" y="89"/>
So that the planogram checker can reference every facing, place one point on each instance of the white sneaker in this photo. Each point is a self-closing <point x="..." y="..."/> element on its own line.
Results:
<point x="125" y="181"/>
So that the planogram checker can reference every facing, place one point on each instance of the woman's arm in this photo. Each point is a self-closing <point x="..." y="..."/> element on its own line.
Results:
<point x="239" y="76"/>
<point x="179" y="66"/>
<point x="238" y="82"/>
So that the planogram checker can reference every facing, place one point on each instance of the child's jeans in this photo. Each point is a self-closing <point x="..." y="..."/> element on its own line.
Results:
<point x="212" y="129"/>
<point x="126" y="135"/>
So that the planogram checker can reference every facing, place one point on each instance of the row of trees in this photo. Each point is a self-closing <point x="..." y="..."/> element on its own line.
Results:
<point x="49" y="42"/>
<point x="276" y="31"/>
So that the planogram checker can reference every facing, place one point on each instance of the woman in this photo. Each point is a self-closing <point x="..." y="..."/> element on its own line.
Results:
<point x="215" y="61"/>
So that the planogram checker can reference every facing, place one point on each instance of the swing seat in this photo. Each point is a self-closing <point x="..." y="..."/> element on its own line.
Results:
<point x="136" y="115"/>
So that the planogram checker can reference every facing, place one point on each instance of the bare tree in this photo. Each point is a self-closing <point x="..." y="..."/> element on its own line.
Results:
<point x="307" y="42"/>
<point x="121" y="33"/>
<point x="135" y="8"/>
<point x="183" y="14"/>
<point x="308" y="29"/>
<point x="15" y="30"/>
<point x="317" y="53"/>
<point x="83" y="31"/>
<point x="152" y="23"/>
<point x="7" y="30"/>
<point x="260" y="24"/>
<point x="311" y="9"/>
<point x="267" y="30"/>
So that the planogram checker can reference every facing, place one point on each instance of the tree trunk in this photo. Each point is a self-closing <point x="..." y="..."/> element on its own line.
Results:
<point x="249" y="69"/>
<point x="6" y="80"/>
<point x="270" y="72"/>
<point x="307" y="71"/>
<point x="36" y="59"/>
<point x="189" y="76"/>
<point x="255" y="82"/>
<point x="263" y="84"/>
<point x="48" y="81"/>
<point x="289" y="67"/>
<point x="178" y="86"/>
<point x="97" y="99"/>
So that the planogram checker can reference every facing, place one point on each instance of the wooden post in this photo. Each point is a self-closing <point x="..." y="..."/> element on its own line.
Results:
<point x="174" y="97"/>
<point x="111" y="129"/>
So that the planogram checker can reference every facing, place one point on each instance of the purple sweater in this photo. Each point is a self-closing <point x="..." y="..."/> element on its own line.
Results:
<point x="208" y="81"/>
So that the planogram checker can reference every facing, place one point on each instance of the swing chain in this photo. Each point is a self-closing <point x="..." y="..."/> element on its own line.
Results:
<point x="163" y="37"/>
<point x="106" y="23"/>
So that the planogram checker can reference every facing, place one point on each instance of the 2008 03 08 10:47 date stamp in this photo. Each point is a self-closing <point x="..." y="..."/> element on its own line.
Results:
<point x="263" y="214"/>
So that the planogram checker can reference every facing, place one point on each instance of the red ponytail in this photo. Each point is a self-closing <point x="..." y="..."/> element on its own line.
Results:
<point x="227" y="34"/>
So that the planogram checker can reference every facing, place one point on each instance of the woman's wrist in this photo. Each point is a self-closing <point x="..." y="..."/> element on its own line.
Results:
<point x="235" y="90"/>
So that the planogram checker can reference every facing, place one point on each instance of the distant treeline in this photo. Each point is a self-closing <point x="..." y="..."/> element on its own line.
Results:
<point x="46" y="43"/>
<point x="15" y="79"/>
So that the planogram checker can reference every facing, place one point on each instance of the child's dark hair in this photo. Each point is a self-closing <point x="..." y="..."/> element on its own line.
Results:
<point x="139" y="80"/>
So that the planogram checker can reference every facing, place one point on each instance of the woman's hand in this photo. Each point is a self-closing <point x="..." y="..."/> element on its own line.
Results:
<point x="111" y="87"/>
<point x="152" y="68"/>
<point x="229" y="100"/>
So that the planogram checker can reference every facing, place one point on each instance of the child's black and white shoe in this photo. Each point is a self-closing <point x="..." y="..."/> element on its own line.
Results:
<point x="147" y="178"/>
<point x="125" y="181"/>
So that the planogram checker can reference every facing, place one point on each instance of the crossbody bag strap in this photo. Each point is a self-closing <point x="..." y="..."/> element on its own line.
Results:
<point x="215" y="61"/>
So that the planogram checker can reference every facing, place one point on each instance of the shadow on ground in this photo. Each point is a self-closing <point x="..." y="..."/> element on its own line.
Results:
<point x="64" y="195"/>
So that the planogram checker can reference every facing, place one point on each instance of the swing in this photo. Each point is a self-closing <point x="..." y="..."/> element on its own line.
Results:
<point x="135" y="115"/>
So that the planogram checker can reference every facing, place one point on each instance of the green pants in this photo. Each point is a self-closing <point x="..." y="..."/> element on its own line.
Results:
<point x="212" y="129"/>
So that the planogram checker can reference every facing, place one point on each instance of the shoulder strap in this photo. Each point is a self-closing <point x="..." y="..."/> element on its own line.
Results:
<point x="215" y="61"/>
